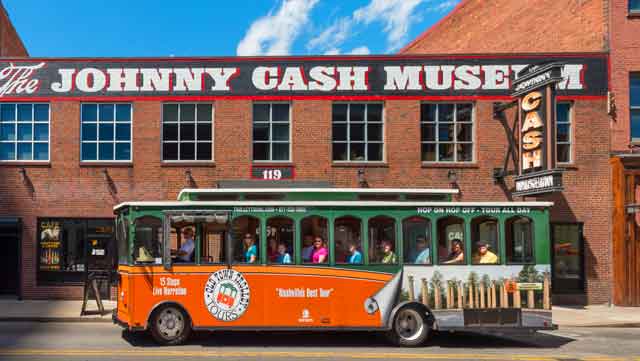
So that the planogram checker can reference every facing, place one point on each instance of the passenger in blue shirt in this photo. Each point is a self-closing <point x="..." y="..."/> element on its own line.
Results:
<point x="250" y="249"/>
<point x="356" y="256"/>
<point x="283" y="255"/>
<point x="422" y="251"/>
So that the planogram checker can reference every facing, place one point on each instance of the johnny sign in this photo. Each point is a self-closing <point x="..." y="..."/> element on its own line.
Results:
<point x="290" y="76"/>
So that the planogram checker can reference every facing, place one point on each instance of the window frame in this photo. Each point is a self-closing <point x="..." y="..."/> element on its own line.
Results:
<point x="395" y="239"/>
<point x="465" y="251"/>
<point x="583" y="279"/>
<point x="455" y="141"/>
<point x="271" y="141"/>
<point x="498" y="250"/>
<point x="403" y="240"/>
<point x="366" y="133"/>
<point x="571" y="141"/>
<point x="195" y="141"/>
<point x="114" y="141"/>
<point x="508" y="222"/>
<point x="294" y="247"/>
<point x="633" y="107"/>
<point x="33" y="141"/>
<point x="632" y="10"/>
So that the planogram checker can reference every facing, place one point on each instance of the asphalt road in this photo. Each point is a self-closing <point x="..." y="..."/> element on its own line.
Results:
<point x="102" y="341"/>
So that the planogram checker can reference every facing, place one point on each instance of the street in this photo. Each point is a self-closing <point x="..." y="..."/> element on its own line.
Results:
<point x="104" y="341"/>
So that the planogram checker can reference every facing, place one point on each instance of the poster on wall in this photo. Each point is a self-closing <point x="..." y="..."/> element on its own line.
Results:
<point x="50" y="246"/>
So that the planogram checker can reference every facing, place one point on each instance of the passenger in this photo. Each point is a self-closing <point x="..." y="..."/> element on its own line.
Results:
<point x="320" y="253"/>
<point x="389" y="256"/>
<point x="356" y="256"/>
<point x="283" y="256"/>
<point x="483" y="255"/>
<point x="250" y="249"/>
<point x="272" y="251"/>
<point x="186" y="251"/>
<point x="457" y="254"/>
<point x="422" y="251"/>
<point x="307" y="248"/>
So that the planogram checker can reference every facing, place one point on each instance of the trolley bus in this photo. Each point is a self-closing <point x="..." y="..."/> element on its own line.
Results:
<point x="406" y="262"/>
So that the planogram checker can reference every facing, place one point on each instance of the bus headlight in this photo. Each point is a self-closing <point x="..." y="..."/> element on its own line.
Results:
<point x="371" y="306"/>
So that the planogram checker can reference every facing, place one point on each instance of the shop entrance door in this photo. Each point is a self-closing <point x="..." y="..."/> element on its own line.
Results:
<point x="10" y="235"/>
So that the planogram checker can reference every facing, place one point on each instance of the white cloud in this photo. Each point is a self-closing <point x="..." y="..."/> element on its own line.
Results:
<point x="444" y="5"/>
<point x="332" y="51"/>
<point x="361" y="50"/>
<point x="333" y="36"/>
<point x="397" y="16"/>
<point x="274" y="33"/>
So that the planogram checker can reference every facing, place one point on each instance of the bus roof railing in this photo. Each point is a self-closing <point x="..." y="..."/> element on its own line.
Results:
<point x="320" y="190"/>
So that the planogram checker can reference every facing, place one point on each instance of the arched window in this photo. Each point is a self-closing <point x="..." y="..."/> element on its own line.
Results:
<point x="311" y="228"/>
<point x="484" y="240"/>
<point x="416" y="240"/>
<point x="147" y="246"/>
<point x="382" y="240"/>
<point x="246" y="239"/>
<point x="451" y="240"/>
<point x="348" y="240"/>
<point x="519" y="240"/>
<point x="280" y="240"/>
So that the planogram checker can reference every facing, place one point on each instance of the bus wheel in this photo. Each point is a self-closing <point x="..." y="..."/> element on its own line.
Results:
<point x="410" y="327"/>
<point x="170" y="325"/>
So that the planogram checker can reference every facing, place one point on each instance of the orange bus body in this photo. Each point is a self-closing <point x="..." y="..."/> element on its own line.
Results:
<point x="280" y="297"/>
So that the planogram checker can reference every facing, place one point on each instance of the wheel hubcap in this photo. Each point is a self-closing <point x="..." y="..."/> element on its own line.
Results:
<point x="170" y="323"/>
<point x="409" y="324"/>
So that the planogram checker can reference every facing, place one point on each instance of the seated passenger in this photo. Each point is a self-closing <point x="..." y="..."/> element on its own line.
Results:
<point x="388" y="255"/>
<point x="320" y="253"/>
<point x="272" y="250"/>
<point x="356" y="256"/>
<point x="457" y="254"/>
<point x="483" y="255"/>
<point x="283" y="256"/>
<point x="307" y="248"/>
<point x="422" y="251"/>
<point x="250" y="249"/>
<point x="186" y="251"/>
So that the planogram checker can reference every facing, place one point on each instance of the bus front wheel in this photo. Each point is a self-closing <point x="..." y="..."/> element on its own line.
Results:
<point x="410" y="327"/>
<point x="170" y="325"/>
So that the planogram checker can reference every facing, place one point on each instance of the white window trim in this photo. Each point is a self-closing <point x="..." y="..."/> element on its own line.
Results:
<point x="271" y="141"/>
<point x="632" y="107"/>
<point x="114" y="141"/>
<point x="366" y="134"/>
<point x="213" y="135"/>
<point x="455" y="135"/>
<point x="33" y="122"/>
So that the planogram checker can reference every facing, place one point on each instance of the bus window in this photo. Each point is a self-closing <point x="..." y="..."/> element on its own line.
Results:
<point x="484" y="240"/>
<point x="147" y="245"/>
<point x="246" y="238"/>
<point x="280" y="240"/>
<point x="312" y="227"/>
<point x="519" y="240"/>
<point x="182" y="240"/>
<point x="348" y="243"/>
<point x="382" y="240"/>
<point x="213" y="240"/>
<point x="122" y="237"/>
<point x="451" y="240"/>
<point x="416" y="233"/>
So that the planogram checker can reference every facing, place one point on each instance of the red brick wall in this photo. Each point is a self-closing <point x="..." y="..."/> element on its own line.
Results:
<point x="10" y="42"/>
<point x="507" y="26"/>
<point x="625" y="50"/>
<point x="67" y="189"/>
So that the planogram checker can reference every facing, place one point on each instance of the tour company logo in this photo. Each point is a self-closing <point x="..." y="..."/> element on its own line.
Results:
<point x="305" y="316"/>
<point x="226" y="294"/>
<point x="18" y="79"/>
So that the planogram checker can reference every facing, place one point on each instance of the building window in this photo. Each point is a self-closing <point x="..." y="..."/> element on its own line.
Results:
<point x="357" y="132"/>
<point x="563" y="132"/>
<point x="65" y="246"/>
<point x="447" y="132"/>
<point x="271" y="132"/>
<point x="24" y="132"/>
<point x="634" y="89"/>
<point x="187" y="132"/>
<point x="568" y="258"/>
<point x="634" y="6"/>
<point x="105" y="132"/>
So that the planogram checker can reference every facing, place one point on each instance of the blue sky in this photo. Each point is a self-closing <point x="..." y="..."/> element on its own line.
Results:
<point x="221" y="27"/>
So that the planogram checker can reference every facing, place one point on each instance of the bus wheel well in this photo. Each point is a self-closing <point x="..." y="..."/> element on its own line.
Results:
<point x="431" y="320"/>
<point x="160" y="305"/>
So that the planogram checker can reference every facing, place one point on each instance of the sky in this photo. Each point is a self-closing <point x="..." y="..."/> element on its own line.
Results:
<point x="123" y="28"/>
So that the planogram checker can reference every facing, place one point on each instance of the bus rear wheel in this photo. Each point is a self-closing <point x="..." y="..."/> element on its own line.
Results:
<point x="170" y="325"/>
<point x="410" y="327"/>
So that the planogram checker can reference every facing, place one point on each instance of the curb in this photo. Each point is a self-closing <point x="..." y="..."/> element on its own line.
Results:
<point x="57" y="319"/>
<point x="605" y="325"/>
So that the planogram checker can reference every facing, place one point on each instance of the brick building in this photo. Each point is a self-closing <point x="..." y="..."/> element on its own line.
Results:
<point x="74" y="176"/>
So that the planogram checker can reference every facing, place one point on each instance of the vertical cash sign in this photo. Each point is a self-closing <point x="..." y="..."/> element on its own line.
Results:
<point x="535" y="89"/>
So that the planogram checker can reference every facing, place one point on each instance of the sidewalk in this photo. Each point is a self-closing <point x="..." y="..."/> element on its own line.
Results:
<point x="69" y="311"/>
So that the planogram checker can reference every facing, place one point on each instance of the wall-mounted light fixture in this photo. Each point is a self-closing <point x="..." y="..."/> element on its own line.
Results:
<point x="362" y="181"/>
<point x="188" y="179"/>
<point x="452" y="176"/>
<point x="111" y="186"/>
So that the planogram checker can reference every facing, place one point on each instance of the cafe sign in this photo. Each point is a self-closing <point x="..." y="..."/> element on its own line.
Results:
<point x="535" y="88"/>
